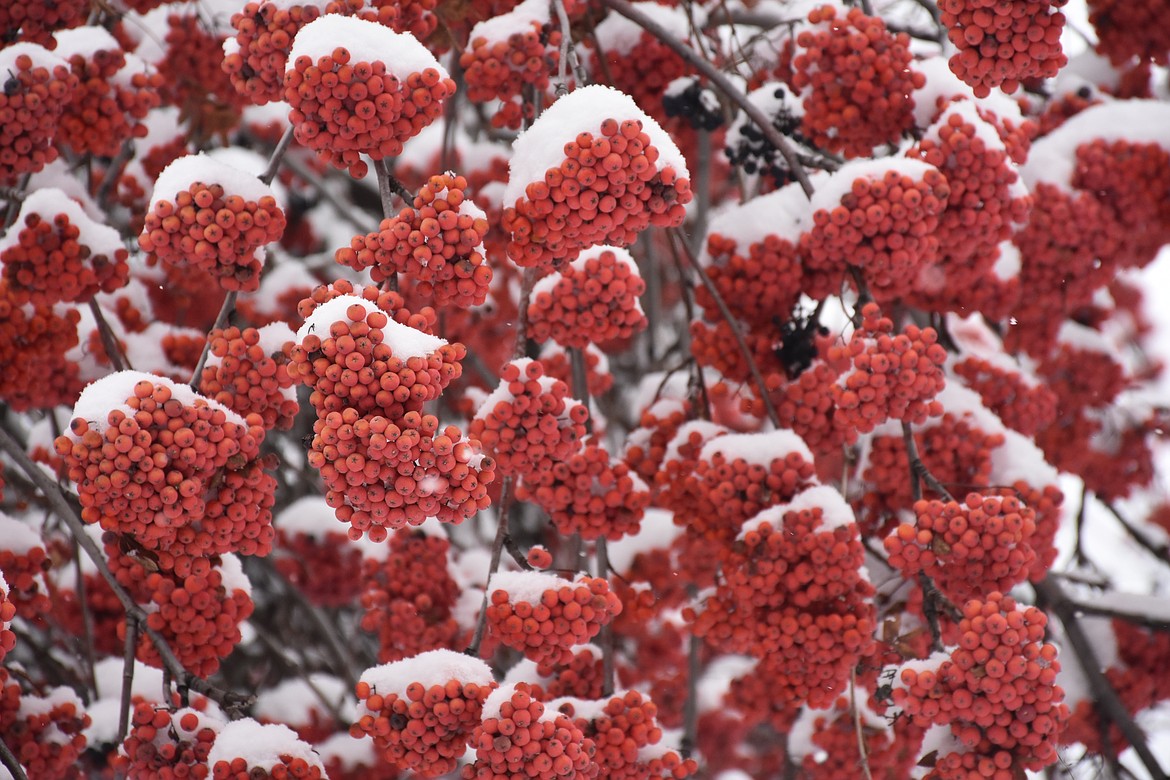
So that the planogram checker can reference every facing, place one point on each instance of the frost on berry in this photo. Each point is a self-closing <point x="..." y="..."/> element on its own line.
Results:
<point x="37" y="85"/>
<point x="609" y="181"/>
<point x="520" y="737"/>
<point x="247" y="371"/>
<point x="894" y="376"/>
<point x="590" y="493"/>
<point x="996" y="690"/>
<point x="166" y="744"/>
<point x="1001" y="44"/>
<point x="794" y="593"/>
<point x="356" y="87"/>
<point x="420" y="711"/>
<point x="544" y="616"/>
<point x="181" y="475"/>
<point x="246" y="750"/>
<point x="529" y="422"/>
<point x="210" y="215"/>
<point x="856" y="81"/>
<point x="879" y="216"/>
<point x="968" y="549"/>
<point x="56" y="253"/>
<point x="508" y="54"/>
<point x="409" y="594"/>
<point x="437" y="246"/>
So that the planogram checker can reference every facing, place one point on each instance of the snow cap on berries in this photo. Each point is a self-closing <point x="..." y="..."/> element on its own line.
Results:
<point x="261" y="746"/>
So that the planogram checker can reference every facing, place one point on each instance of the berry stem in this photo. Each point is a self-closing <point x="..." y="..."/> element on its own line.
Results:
<point x="605" y="637"/>
<point x="127" y="679"/>
<point x="225" y="311"/>
<point x="12" y="209"/>
<point x="277" y="155"/>
<point x="1052" y="598"/>
<point x="109" y="341"/>
<point x="919" y="473"/>
<point x="112" y="174"/>
<point x="497" y="553"/>
<point x="62" y="505"/>
<point x="722" y="83"/>
<point x="856" y="713"/>
<point x="9" y="762"/>
<point x="690" y="735"/>
<point x="725" y="312"/>
<point x="86" y="618"/>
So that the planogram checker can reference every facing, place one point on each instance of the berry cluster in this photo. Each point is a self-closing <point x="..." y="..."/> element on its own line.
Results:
<point x="582" y="677"/>
<point x="544" y="616"/>
<point x="34" y="341"/>
<point x="37" y="85"/>
<point x="408" y="594"/>
<point x="438" y="245"/>
<point x="1023" y="405"/>
<point x="313" y="553"/>
<point x="354" y="356"/>
<point x="36" y="20"/>
<point x="247" y="750"/>
<point x="627" y="736"/>
<point x="857" y="82"/>
<point x="1001" y="44"/>
<point x="646" y="445"/>
<point x="367" y="101"/>
<point x="996" y="691"/>
<point x="7" y="613"/>
<point x="1127" y="178"/>
<point x="23" y="562"/>
<point x="45" y="732"/>
<point x="420" y="711"/>
<point x="969" y="549"/>
<point x="179" y="474"/>
<point x="167" y="744"/>
<point x="955" y="448"/>
<point x="986" y="202"/>
<point x="59" y="254"/>
<point x="112" y="97"/>
<point x="255" y="59"/>
<point x="805" y="405"/>
<point x="207" y="214"/>
<point x="893" y="377"/>
<point x="793" y="594"/>
<point x="593" y="299"/>
<point x="198" y="614"/>
<point x="1125" y="30"/>
<point x="589" y="493"/>
<point x="612" y="182"/>
<point x="734" y="477"/>
<point x="529" y="422"/>
<point x="518" y="737"/>
<point x="884" y="225"/>
<point x="558" y="365"/>
<point x="247" y="372"/>
<point x="508" y="54"/>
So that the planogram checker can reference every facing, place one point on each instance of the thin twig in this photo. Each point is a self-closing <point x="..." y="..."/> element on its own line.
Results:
<point x="86" y="619"/>
<point x="606" y="636"/>
<point x="856" y="712"/>
<point x="277" y="156"/>
<point x="127" y="679"/>
<point x="722" y="83"/>
<point x="9" y="762"/>
<point x="1158" y="550"/>
<point x="497" y="553"/>
<point x="113" y="349"/>
<point x="1052" y="598"/>
<point x="919" y="470"/>
<point x="221" y="319"/>
<point x="690" y="736"/>
<point x="725" y="312"/>
<point x="113" y="173"/>
<point x="56" y="498"/>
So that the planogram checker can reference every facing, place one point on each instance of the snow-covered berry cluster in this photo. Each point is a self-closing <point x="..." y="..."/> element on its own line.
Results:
<point x="37" y="85"/>
<point x="1001" y="44"/>
<point x="247" y="371"/>
<point x="593" y="299"/>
